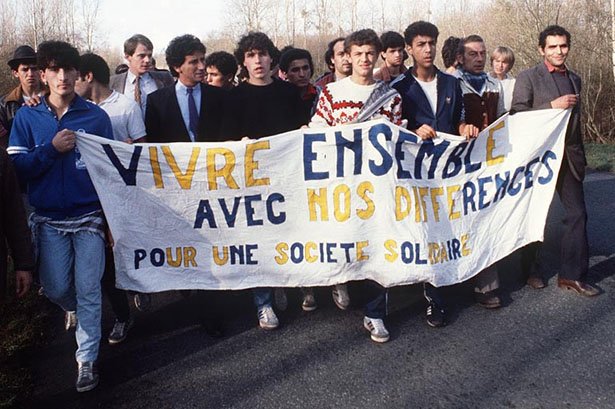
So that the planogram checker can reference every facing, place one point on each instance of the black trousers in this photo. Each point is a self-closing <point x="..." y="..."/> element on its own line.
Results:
<point x="574" y="248"/>
<point x="117" y="298"/>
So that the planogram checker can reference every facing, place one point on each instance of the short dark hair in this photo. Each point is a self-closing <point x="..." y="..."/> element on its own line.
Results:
<point x="133" y="42"/>
<point x="295" y="54"/>
<point x="179" y="48"/>
<point x="57" y="54"/>
<point x="223" y="61"/>
<point x="391" y="39"/>
<point x="474" y="38"/>
<point x="363" y="37"/>
<point x="420" y="28"/>
<point x="329" y="52"/>
<point x="450" y="51"/>
<point x="121" y="68"/>
<point x="96" y="65"/>
<point x="553" y="30"/>
<point x="255" y="40"/>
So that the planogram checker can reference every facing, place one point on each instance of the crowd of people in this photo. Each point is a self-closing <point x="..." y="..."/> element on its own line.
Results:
<point x="256" y="92"/>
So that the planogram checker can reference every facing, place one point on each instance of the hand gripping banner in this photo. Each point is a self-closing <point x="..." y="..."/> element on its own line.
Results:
<point x="320" y="207"/>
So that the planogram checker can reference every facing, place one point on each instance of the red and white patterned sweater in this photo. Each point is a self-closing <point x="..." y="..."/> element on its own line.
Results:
<point x="340" y="102"/>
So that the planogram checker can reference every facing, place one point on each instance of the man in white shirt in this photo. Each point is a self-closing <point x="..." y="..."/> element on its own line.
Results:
<point x="127" y="124"/>
<point x="138" y="51"/>
<point x="364" y="99"/>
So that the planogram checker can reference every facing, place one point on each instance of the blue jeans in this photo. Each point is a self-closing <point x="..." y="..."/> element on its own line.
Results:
<point x="262" y="297"/>
<point x="71" y="266"/>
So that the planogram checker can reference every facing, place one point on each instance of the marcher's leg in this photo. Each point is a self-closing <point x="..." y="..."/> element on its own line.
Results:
<point x="56" y="267"/>
<point x="575" y="248"/>
<point x="89" y="249"/>
<point x="485" y="285"/>
<point x="375" y="311"/>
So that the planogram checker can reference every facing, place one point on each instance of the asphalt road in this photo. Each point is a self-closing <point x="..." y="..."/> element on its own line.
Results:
<point x="544" y="349"/>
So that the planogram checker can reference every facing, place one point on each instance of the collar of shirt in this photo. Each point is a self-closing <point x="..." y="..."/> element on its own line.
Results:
<point x="551" y="68"/>
<point x="131" y="78"/>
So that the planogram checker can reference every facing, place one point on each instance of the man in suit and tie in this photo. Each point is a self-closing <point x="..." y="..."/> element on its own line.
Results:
<point x="139" y="81"/>
<point x="188" y="111"/>
<point x="550" y="84"/>
<point x="431" y="102"/>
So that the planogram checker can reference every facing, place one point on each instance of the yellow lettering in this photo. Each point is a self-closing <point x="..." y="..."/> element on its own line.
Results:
<point x="189" y="255"/>
<point x="360" y="246"/>
<point x="220" y="260"/>
<point x="362" y="190"/>
<point x="434" y="193"/>
<point x="391" y="247"/>
<point x="341" y="214"/>
<point x="224" y="172"/>
<point x="491" y="145"/>
<point x="423" y="191"/>
<point x="318" y="199"/>
<point x="433" y="253"/>
<point x="178" y="257"/>
<point x="400" y="211"/>
<point x="251" y="165"/>
<point x="450" y="192"/>
<point x="184" y="179"/>
<point x="465" y="249"/>
<point x="309" y="257"/>
<point x="153" y="160"/>
<point x="281" y="248"/>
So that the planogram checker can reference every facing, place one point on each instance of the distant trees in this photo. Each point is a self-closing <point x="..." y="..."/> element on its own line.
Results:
<point x="312" y="24"/>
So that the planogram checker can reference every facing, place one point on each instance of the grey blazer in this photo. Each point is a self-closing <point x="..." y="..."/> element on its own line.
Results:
<point x="535" y="88"/>
<point x="162" y="79"/>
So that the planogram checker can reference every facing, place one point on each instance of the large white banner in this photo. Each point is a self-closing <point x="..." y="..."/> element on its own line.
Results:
<point x="319" y="207"/>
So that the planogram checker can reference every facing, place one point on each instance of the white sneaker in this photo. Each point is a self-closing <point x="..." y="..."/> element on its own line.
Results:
<point x="309" y="301"/>
<point x="87" y="376"/>
<point x="279" y="299"/>
<point x="119" y="331"/>
<point x="70" y="320"/>
<point x="340" y="296"/>
<point x="267" y="318"/>
<point x="376" y="328"/>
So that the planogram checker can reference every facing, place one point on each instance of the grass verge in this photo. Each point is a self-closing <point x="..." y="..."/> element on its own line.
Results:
<point x="22" y="326"/>
<point x="600" y="156"/>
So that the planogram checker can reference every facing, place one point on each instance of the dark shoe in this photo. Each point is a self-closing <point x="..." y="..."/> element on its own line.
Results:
<point x="436" y="316"/>
<point x="488" y="300"/>
<point x="536" y="282"/>
<point x="87" y="376"/>
<point x="119" y="331"/>
<point x="580" y="287"/>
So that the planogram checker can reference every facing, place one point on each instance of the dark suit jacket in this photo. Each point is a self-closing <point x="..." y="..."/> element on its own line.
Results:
<point x="162" y="79"/>
<point x="535" y="88"/>
<point x="416" y="108"/>
<point x="164" y="122"/>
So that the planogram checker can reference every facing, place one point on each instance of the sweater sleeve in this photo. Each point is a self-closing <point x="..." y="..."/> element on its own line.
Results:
<point x="30" y="161"/>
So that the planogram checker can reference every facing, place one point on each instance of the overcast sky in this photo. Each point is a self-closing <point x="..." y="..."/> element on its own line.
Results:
<point x="159" y="20"/>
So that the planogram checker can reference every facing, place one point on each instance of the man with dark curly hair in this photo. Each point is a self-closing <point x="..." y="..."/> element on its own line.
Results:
<point x="68" y="218"/>
<point x="259" y="107"/>
<point x="221" y="68"/>
<point x="187" y="111"/>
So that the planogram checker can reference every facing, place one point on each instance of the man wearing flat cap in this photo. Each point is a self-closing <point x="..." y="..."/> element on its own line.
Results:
<point x="23" y="66"/>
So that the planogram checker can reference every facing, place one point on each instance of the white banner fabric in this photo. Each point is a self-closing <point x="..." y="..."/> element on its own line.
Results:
<point x="320" y="207"/>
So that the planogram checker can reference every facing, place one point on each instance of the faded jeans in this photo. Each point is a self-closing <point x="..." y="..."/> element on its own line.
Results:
<point x="71" y="266"/>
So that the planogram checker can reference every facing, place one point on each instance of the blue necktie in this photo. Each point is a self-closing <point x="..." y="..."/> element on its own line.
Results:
<point x="193" y="114"/>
